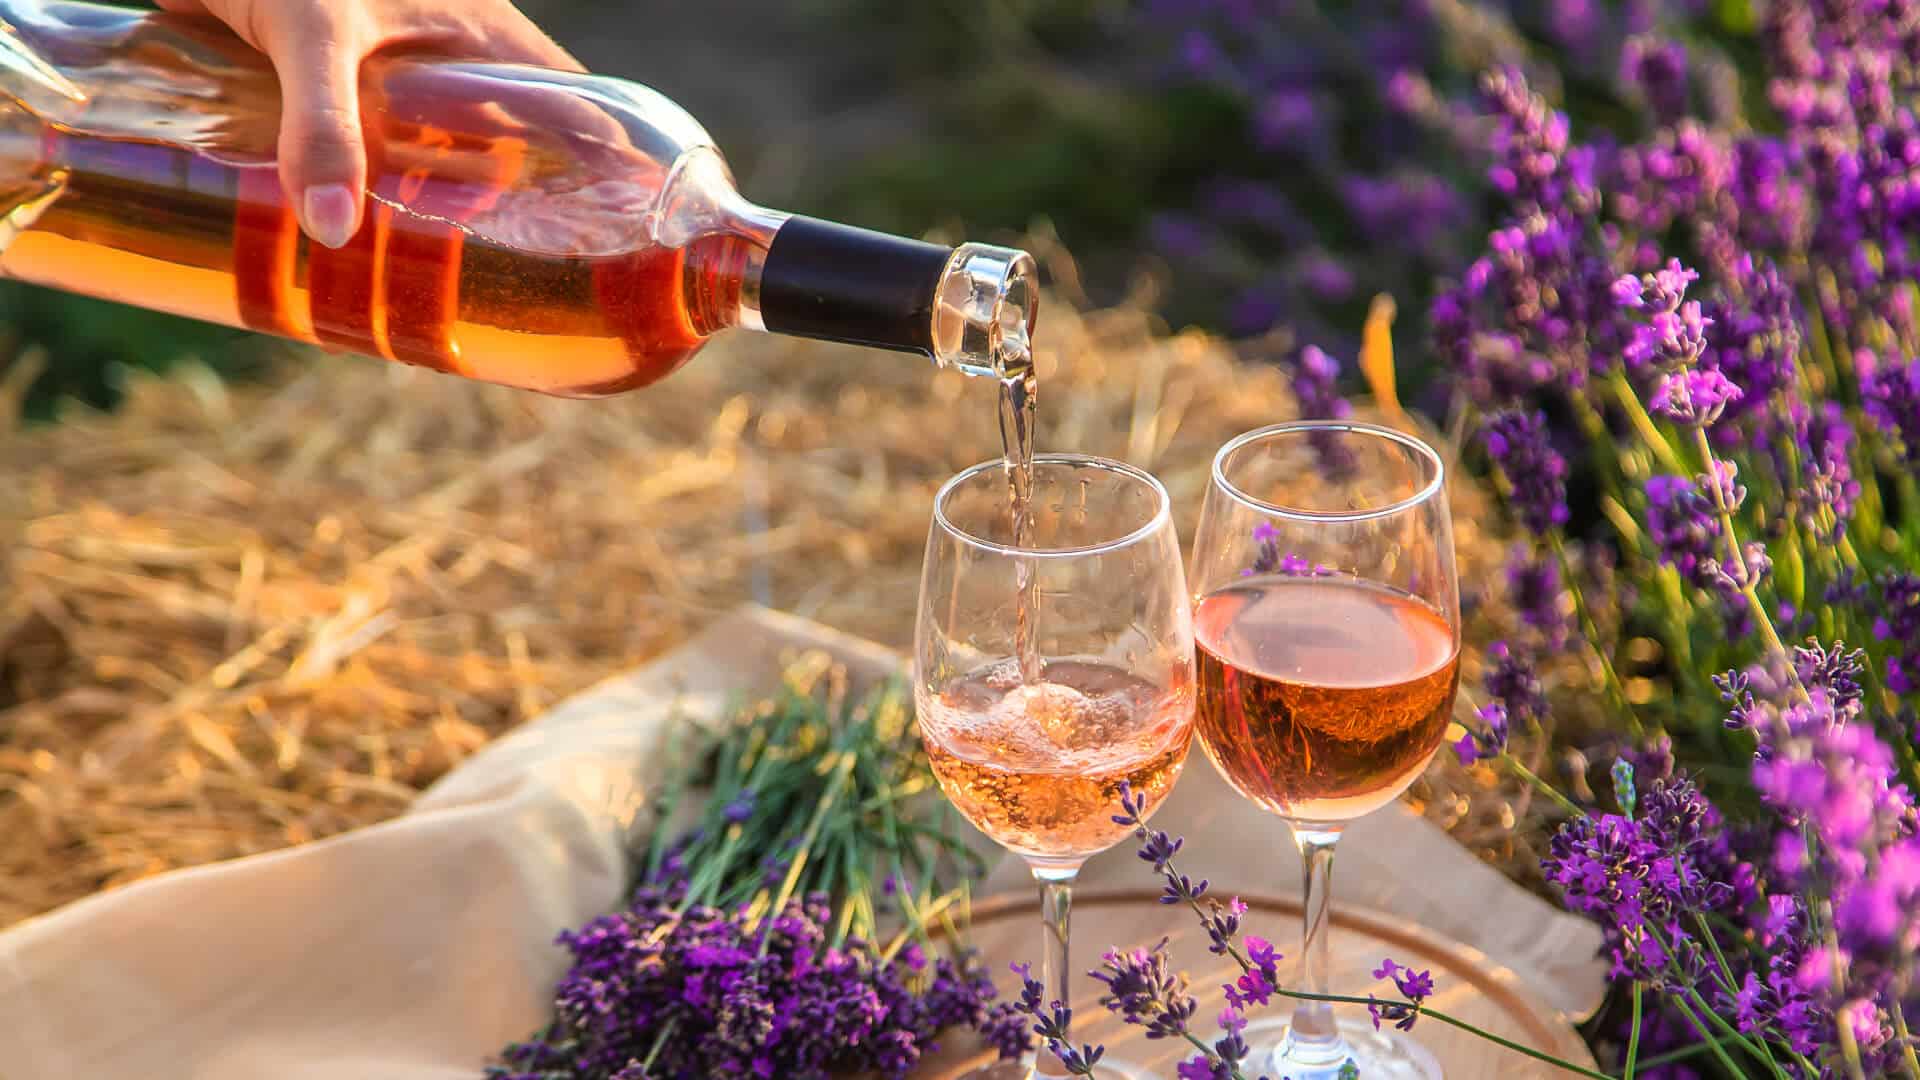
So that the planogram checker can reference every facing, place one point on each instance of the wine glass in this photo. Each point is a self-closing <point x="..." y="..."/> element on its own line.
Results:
<point x="1096" y="595"/>
<point x="1327" y="625"/>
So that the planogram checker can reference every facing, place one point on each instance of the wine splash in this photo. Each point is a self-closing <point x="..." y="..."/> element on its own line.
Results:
<point x="1037" y="764"/>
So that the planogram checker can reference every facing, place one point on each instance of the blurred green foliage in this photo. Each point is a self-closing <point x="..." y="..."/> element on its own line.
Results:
<point x="1091" y="113"/>
<point x="1036" y="108"/>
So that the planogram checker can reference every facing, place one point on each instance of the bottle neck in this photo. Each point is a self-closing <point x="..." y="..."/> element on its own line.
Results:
<point x="969" y="307"/>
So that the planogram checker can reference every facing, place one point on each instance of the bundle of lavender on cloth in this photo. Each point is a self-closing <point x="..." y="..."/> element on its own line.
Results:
<point x="807" y="924"/>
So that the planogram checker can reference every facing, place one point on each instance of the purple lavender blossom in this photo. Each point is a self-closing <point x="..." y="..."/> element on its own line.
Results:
<point x="1898" y="623"/>
<point x="1684" y="527"/>
<point x="1514" y="696"/>
<point x="1143" y="989"/>
<point x="1536" y="473"/>
<point x="1316" y="378"/>
<point x="1693" y="398"/>
<point x="1661" y="290"/>
<point x="1512" y="680"/>
<point x="1677" y="174"/>
<point x="1053" y="1022"/>
<point x="1269" y="559"/>
<point x="748" y="995"/>
<point x="1755" y="340"/>
<point x="1849" y="829"/>
<point x="1535" y="592"/>
<point x="1668" y="340"/>
<point x="1890" y="394"/>
<point x="1530" y="144"/>
<point x="1657" y="69"/>
<point x="1414" y="986"/>
<point x="1825" y="499"/>
<point x="1489" y="740"/>
<point x="1638" y="876"/>
<point x="1770" y="197"/>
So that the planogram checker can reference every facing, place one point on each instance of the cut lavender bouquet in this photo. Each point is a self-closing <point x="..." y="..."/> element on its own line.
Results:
<point x="807" y="924"/>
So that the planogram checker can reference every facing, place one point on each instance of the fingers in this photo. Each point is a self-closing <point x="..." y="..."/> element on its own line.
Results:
<point x="317" y="47"/>
<point x="323" y="158"/>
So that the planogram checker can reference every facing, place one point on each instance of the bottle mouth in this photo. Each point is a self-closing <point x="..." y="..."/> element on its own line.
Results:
<point x="984" y="311"/>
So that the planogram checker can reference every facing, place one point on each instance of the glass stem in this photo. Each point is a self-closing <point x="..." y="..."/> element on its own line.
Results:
<point x="1056" y="974"/>
<point x="1313" y="1039"/>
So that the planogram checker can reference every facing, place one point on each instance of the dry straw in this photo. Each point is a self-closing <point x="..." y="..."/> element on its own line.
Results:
<point x="237" y="618"/>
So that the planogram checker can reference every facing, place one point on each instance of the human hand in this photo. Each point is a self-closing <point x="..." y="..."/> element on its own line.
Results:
<point x="317" y="47"/>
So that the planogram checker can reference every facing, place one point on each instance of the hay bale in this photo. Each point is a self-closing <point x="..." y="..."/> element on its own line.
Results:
<point x="237" y="618"/>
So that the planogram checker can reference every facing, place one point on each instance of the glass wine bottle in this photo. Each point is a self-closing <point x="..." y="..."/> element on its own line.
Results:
<point x="567" y="233"/>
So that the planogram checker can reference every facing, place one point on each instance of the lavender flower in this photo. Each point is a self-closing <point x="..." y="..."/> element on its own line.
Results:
<point x="1639" y="876"/>
<point x="1668" y="339"/>
<point x="1824" y="440"/>
<point x="1890" y="393"/>
<point x="1414" y="986"/>
<point x="1684" y="527"/>
<point x="1661" y="290"/>
<point x="1315" y="378"/>
<point x="1053" y="1022"/>
<point x="1694" y="398"/>
<point x="1142" y="989"/>
<point x="1657" y="69"/>
<point x="1530" y="144"/>
<point x="1754" y="340"/>
<point x="1490" y="740"/>
<point x="1535" y="472"/>
<point x="1269" y="559"/>
<point x="1535" y="592"/>
<point x="1676" y="174"/>
<point x="1898" y="623"/>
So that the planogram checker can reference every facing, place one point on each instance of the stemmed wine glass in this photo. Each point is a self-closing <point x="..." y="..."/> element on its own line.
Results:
<point x="1327" y="624"/>
<point x="1095" y="591"/>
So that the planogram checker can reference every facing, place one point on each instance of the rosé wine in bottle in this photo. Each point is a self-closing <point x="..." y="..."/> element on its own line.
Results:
<point x="567" y="233"/>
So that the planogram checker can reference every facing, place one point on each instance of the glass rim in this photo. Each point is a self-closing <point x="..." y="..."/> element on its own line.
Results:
<point x="1423" y="494"/>
<point x="1162" y="511"/>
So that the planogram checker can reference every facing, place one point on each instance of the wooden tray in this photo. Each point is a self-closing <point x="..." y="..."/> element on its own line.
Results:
<point x="1467" y="985"/>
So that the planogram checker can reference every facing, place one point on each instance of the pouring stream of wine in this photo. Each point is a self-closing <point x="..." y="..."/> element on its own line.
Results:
<point x="1018" y="387"/>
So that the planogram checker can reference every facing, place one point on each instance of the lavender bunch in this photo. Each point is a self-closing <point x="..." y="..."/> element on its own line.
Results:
<point x="753" y="944"/>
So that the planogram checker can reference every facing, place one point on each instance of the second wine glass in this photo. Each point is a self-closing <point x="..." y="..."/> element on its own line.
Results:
<point x="1095" y="588"/>
<point x="1328" y="628"/>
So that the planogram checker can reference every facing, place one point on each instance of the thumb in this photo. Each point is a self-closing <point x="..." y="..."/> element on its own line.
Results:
<point x="323" y="158"/>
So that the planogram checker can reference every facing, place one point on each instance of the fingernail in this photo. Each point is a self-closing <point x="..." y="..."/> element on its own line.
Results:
<point x="328" y="213"/>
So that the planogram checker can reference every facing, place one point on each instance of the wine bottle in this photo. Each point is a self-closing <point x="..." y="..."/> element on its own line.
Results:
<point x="567" y="233"/>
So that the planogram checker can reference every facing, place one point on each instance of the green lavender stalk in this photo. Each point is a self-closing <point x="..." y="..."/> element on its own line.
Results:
<point x="833" y="785"/>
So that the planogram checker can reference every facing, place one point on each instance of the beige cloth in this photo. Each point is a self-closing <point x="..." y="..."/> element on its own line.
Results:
<point x="414" y="949"/>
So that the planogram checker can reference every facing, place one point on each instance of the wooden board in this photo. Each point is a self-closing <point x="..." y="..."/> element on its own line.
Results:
<point x="1467" y="984"/>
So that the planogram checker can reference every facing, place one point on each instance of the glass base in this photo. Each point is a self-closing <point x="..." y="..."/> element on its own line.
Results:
<point x="1025" y="1070"/>
<point x="1380" y="1055"/>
